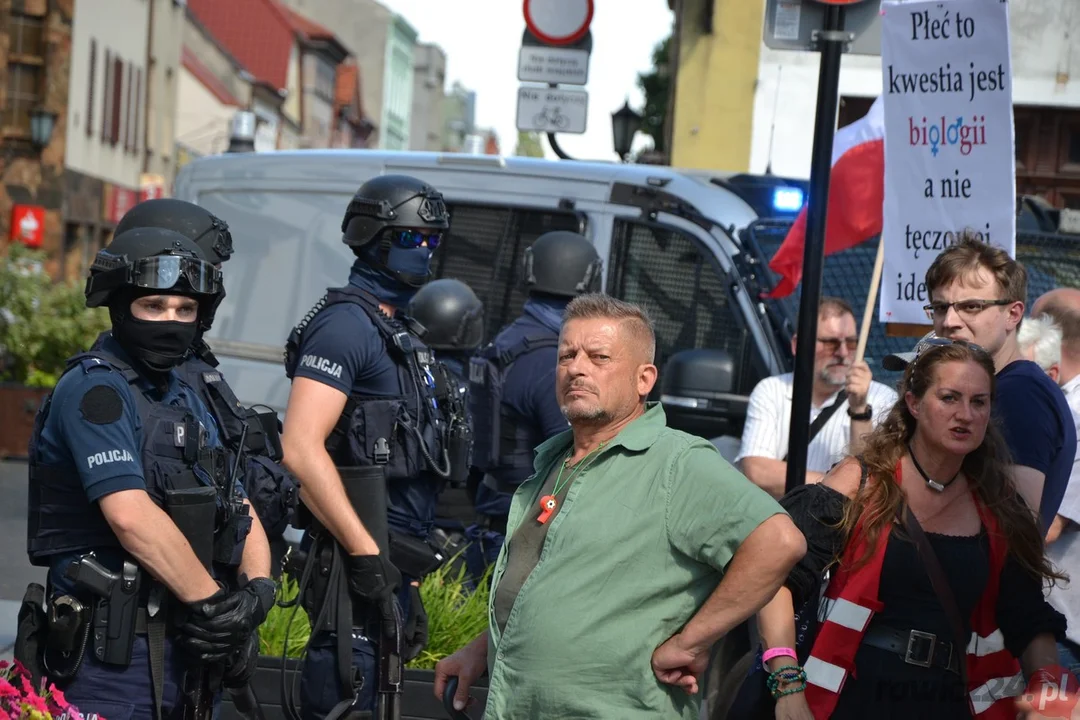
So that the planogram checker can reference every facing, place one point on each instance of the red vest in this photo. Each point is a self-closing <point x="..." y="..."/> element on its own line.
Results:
<point x="994" y="676"/>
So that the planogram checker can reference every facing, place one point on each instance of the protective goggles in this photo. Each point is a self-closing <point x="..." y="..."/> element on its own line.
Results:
<point x="161" y="272"/>
<point x="410" y="239"/>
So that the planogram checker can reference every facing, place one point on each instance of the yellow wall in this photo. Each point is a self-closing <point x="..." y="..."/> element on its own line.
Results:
<point x="714" y="95"/>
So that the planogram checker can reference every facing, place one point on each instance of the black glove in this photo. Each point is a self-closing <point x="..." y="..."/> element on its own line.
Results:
<point x="222" y="623"/>
<point x="241" y="668"/>
<point x="374" y="579"/>
<point x="416" y="626"/>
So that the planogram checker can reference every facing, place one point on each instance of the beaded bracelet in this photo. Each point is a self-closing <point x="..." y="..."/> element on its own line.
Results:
<point x="786" y="674"/>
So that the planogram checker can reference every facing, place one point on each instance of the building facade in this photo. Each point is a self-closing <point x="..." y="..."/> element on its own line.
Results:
<point x="429" y="94"/>
<point x="35" y="63"/>
<point x="459" y="117"/>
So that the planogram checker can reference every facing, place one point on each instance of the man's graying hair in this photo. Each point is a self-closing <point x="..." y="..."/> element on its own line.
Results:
<point x="599" y="305"/>
<point x="1044" y="336"/>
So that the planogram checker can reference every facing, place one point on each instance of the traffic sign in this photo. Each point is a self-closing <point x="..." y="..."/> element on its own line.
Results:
<point x="558" y="22"/>
<point x="552" y="110"/>
<point x="793" y="24"/>
<point x="555" y="65"/>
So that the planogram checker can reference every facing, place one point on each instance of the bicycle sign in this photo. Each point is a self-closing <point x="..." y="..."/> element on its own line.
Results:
<point x="552" y="110"/>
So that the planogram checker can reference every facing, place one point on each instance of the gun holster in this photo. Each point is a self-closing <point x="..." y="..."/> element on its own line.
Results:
<point x="414" y="556"/>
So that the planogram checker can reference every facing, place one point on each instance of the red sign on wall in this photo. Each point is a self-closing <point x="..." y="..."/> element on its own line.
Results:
<point x="28" y="225"/>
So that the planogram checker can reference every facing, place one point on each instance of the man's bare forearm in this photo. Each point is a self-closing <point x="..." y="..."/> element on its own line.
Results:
<point x="150" y="535"/>
<point x="255" y="561"/>
<point x="771" y="475"/>
<point x="755" y="573"/>
<point x="324" y="495"/>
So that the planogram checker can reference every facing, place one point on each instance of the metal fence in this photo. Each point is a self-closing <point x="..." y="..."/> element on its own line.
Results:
<point x="1052" y="261"/>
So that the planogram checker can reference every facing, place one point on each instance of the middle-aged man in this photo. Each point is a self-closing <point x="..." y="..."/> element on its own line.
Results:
<point x="1063" y="538"/>
<point x="977" y="293"/>
<point x="846" y="403"/>
<point x="632" y="548"/>
<point x="126" y="487"/>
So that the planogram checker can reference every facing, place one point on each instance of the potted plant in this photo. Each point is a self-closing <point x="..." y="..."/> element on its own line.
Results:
<point x="455" y="616"/>
<point x="20" y="699"/>
<point x="42" y="324"/>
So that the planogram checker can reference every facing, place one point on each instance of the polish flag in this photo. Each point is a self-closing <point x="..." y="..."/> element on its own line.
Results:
<point x="856" y="195"/>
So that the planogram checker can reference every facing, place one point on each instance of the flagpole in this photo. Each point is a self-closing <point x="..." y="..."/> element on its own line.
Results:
<point x="871" y="299"/>
<point x="832" y="41"/>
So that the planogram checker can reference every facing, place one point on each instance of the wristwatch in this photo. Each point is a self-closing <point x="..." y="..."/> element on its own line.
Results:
<point x="864" y="415"/>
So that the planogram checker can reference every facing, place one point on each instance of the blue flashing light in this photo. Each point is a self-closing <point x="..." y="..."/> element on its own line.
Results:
<point x="787" y="199"/>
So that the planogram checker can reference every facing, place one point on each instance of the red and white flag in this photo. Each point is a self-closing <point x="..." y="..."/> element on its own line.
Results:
<point x="856" y="195"/>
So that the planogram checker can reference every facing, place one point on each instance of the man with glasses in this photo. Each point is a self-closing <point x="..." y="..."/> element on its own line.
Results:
<point x="364" y="431"/>
<point x="846" y="404"/>
<point x="977" y="293"/>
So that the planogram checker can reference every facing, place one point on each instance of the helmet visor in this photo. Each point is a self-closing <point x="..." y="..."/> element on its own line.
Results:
<point x="163" y="272"/>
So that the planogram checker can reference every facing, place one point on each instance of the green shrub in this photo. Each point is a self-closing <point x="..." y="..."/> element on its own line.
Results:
<point x="42" y="323"/>
<point x="455" y="617"/>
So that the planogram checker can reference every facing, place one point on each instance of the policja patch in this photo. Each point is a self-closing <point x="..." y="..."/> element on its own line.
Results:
<point x="102" y="405"/>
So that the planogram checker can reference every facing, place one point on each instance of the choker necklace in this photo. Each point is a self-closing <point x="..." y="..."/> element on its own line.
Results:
<point x="934" y="484"/>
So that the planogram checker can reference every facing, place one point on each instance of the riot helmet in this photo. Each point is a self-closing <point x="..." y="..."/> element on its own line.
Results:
<point x="152" y="261"/>
<point x="452" y="315"/>
<point x="388" y="221"/>
<point x="563" y="264"/>
<point x="195" y="223"/>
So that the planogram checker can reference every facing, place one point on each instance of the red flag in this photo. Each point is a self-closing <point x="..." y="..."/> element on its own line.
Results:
<point x="856" y="195"/>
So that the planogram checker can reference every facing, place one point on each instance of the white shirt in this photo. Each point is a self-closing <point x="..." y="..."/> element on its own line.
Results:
<point x="768" y="421"/>
<point x="1064" y="552"/>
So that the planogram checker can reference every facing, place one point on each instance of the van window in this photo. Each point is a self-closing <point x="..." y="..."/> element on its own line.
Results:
<point x="665" y="271"/>
<point x="485" y="249"/>
<point x="288" y="251"/>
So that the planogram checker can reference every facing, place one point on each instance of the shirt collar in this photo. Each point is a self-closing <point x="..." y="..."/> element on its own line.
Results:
<point x="638" y="436"/>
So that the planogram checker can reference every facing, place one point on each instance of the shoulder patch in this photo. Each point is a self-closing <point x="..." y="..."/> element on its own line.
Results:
<point x="101" y="405"/>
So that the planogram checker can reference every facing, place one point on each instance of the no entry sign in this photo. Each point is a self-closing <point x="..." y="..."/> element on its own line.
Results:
<point x="558" y="22"/>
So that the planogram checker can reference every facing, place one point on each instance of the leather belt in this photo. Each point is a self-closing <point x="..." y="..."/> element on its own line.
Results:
<point x="915" y="647"/>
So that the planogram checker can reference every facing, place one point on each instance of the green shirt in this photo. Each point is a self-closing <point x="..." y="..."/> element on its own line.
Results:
<point x="638" y="545"/>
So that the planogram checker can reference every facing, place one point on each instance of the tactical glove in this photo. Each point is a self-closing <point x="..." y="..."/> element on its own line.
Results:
<point x="374" y="579"/>
<point x="242" y="666"/>
<point x="416" y="626"/>
<point x="220" y="624"/>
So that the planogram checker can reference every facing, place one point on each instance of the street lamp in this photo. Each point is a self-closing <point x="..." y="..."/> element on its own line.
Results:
<point x="42" y="122"/>
<point x="624" y="125"/>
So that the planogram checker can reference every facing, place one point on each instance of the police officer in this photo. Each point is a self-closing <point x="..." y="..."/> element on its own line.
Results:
<point x="512" y="385"/>
<point x="362" y="406"/>
<point x="452" y="318"/>
<point x="150" y="547"/>
<point x="252" y="433"/>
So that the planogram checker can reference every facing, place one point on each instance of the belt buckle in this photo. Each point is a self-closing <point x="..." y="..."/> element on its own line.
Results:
<point x="913" y="637"/>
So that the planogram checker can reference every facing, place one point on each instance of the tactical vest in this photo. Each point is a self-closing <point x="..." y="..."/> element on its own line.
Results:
<point x="453" y="398"/>
<point x="256" y="437"/>
<point x="404" y="433"/>
<point x="502" y="443"/>
<point x="175" y="456"/>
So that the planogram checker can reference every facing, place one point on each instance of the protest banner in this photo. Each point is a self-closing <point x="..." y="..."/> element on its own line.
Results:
<point x="949" y="159"/>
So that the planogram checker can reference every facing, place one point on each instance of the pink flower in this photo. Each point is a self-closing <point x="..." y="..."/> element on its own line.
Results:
<point x="58" y="698"/>
<point x="37" y="703"/>
<point x="19" y="669"/>
<point x="7" y="689"/>
<point x="4" y="715"/>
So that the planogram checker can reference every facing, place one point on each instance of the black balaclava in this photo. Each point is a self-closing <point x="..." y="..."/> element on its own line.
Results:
<point x="157" y="345"/>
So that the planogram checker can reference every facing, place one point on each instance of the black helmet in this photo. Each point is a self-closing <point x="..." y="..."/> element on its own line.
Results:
<point x="451" y="314"/>
<point x="195" y="223"/>
<point x="390" y="202"/>
<point x="152" y="259"/>
<point x="562" y="263"/>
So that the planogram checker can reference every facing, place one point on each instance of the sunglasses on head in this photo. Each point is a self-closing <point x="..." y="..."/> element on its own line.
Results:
<point x="411" y="239"/>
<point x="942" y="342"/>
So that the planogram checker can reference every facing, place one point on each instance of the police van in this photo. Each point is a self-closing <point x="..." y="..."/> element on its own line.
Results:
<point x="669" y="241"/>
<point x="691" y="246"/>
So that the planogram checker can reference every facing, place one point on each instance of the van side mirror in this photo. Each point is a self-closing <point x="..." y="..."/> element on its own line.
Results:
<point x="697" y="392"/>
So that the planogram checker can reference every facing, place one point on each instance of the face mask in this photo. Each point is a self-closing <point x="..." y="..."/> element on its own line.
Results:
<point x="161" y="346"/>
<point x="414" y="261"/>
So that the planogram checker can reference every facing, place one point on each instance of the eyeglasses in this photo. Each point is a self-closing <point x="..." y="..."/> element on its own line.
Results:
<point x="411" y="239"/>
<point x="833" y="344"/>
<point x="970" y="308"/>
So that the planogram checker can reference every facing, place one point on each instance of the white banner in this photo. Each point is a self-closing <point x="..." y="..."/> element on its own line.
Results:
<point x="949" y="159"/>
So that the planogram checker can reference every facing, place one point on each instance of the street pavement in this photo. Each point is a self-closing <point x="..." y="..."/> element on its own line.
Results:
<point x="15" y="571"/>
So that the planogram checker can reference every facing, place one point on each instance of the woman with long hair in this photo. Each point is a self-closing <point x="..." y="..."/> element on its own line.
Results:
<point x="934" y="607"/>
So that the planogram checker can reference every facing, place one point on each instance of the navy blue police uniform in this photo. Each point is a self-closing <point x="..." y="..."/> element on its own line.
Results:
<point x="391" y="420"/>
<point x="512" y="386"/>
<point x="118" y="422"/>
<point x="252" y="433"/>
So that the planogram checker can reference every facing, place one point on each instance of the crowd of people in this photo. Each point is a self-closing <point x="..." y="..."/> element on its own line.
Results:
<point x="920" y="570"/>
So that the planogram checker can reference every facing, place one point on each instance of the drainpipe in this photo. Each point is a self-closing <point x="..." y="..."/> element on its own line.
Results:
<point x="149" y="86"/>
